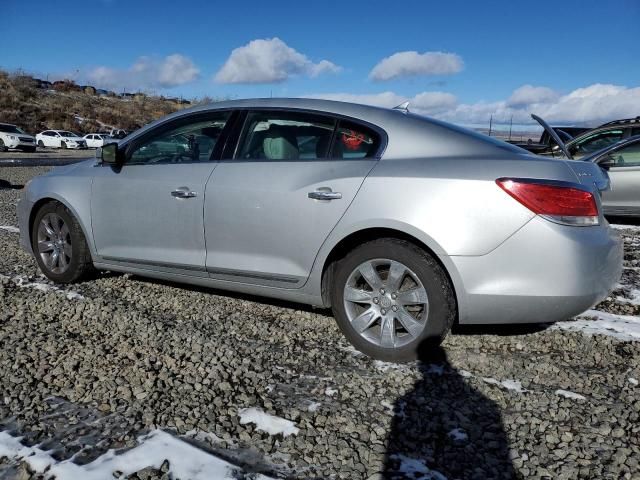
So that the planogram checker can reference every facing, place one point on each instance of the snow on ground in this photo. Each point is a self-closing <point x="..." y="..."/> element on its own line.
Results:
<point x="622" y="327"/>
<point x="458" y="435"/>
<point x="23" y="281"/>
<point x="514" y="385"/>
<point x="313" y="406"/>
<point x="9" y="228"/>
<point x="414" y="468"/>
<point x="633" y="381"/>
<point x="185" y="460"/>
<point x="634" y="297"/>
<point x="568" y="394"/>
<point x="330" y="392"/>
<point x="267" y="423"/>
<point x="625" y="227"/>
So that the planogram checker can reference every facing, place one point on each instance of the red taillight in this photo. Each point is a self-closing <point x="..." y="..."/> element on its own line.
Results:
<point x="565" y="204"/>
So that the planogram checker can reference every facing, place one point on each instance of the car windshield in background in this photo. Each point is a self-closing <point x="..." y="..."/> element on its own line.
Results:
<point x="68" y="134"/>
<point x="10" y="129"/>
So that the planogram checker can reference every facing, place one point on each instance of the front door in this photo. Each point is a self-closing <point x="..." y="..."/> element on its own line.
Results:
<point x="149" y="211"/>
<point x="269" y="209"/>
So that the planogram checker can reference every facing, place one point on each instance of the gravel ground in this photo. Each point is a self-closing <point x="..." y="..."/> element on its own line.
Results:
<point x="92" y="367"/>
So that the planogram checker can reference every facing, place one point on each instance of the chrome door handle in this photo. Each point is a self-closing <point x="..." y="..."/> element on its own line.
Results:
<point x="183" y="192"/>
<point x="325" y="195"/>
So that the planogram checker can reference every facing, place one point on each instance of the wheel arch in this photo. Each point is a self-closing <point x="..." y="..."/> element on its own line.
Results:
<point x="352" y="240"/>
<point x="55" y="198"/>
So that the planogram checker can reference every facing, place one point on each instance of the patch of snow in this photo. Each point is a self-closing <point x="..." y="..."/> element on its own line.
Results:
<point x="9" y="228"/>
<point x="185" y="460"/>
<point x="465" y="374"/>
<point x="201" y="436"/>
<point x="330" y="391"/>
<point x="313" y="406"/>
<point x="618" y="226"/>
<point x="458" y="435"/>
<point x="386" y="366"/>
<point x="267" y="423"/>
<point x="633" y="381"/>
<point x="634" y="297"/>
<point x="514" y="385"/>
<point x="568" y="394"/>
<point x="23" y="282"/>
<point x="388" y="406"/>
<point x="594" y="322"/>
<point x="414" y="468"/>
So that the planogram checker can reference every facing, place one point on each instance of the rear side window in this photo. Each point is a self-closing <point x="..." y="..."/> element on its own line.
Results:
<point x="286" y="136"/>
<point x="628" y="156"/>
<point x="597" y="141"/>
<point x="355" y="141"/>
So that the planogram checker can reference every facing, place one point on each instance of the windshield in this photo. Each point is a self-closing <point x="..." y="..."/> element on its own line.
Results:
<point x="10" y="129"/>
<point x="68" y="134"/>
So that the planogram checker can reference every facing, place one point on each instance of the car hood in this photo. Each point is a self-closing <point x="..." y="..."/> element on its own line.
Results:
<point x="67" y="169"/>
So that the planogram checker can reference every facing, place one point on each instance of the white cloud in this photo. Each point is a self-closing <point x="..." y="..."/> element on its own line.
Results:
<point x="528" y="94"/>
<point x="146" y="73"/>
<point x="590" y="105"/>
<point x="405" y="64"/>
<point x="269" y="61"/>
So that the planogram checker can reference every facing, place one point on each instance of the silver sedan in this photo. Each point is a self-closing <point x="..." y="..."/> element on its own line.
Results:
<point x="401" y="224"/>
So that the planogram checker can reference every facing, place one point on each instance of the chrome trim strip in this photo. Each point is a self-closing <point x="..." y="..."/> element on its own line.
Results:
<point x="259" y="276"/>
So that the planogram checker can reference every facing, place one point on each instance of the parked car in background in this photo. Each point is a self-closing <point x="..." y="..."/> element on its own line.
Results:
<point x="401" y="224"/>
<point x="60" y="139"/>
<point x="14" y="137"/>
<point x="546" y="143"/>
<point x="96" y="140"/>
<point x="622" y="162"/>
<point x="598" y="138"/>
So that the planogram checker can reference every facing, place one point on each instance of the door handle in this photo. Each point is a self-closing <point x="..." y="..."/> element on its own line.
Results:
<point x="183" y="192"/>
<point x="325" y="195"/>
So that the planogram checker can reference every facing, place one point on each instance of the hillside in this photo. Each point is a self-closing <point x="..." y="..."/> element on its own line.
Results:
<point x="64" y="105"/>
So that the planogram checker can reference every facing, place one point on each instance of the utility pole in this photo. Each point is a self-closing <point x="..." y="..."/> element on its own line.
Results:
<point x="510" y="127"/>
<point x="490" y="123"/>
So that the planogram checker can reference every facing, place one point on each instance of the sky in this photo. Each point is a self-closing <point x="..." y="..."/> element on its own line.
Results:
<point x="572" y="61"/>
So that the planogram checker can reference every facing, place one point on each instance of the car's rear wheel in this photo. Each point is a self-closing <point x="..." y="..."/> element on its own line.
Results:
<point x="63" y="145"/>
<point x="59" y="244"/>
<point x="389" y="296"/>
<point x="40" y="143"/>
<point x="3" y="147"/>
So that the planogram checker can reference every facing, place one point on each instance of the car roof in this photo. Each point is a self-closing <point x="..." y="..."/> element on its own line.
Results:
<point x="409" y="135"/>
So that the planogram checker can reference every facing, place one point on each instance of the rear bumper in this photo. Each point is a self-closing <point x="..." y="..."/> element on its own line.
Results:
<point x="545" y="272"/>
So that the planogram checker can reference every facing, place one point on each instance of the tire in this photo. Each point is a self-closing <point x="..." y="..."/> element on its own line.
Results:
<point x="3" y="147"/>
<point x="63" y="145"/>
<point x="40" y="143"/>
<point x="72" y="246"/>
<point x="423" y="292"/>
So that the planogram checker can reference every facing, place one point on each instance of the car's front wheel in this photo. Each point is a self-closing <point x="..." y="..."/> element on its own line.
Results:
<point x="40" y="143"/>
<point x="389" y="296"/>
<point x="59" y="244"/>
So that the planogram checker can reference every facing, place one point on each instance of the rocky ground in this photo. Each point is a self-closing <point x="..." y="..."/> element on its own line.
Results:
<point x="96" y="366"/>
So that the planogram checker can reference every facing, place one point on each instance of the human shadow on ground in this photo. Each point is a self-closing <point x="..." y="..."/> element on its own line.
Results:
<point x="444" y="428"/>
<point x="6" y="185"/>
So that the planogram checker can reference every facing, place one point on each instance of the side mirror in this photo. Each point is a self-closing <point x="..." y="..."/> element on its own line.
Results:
<point x="109" y="154"/>
<point x="607" y="162"/>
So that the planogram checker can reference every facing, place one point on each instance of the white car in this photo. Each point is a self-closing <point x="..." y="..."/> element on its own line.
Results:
<point x="96" y="140"/>
<point x="60" y="139"/>
<point x="14" y="137"/>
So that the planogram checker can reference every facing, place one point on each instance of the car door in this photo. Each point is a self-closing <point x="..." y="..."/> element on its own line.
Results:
<point x="624" y="173"/>
<point x="270" y="205"/>
<point x="48" y="139"/>
<point x="149" y="211"/>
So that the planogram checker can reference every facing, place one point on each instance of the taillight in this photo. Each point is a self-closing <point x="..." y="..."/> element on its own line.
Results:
<point x="555" y="201"/>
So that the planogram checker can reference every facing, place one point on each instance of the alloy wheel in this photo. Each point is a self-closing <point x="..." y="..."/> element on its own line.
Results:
<point x="54" y="243"/>
<point x="386" y="303"/>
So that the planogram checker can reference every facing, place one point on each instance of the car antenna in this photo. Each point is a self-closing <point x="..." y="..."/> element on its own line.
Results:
<point x="403" y="107"/>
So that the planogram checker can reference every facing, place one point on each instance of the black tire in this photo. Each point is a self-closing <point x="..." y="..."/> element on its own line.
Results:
<point x="80" y="264"/>
<point x="63" y="145"/>
<point x="3" y="147"/>
<point x="442" y="307"/>
<point x="40" y="143"/>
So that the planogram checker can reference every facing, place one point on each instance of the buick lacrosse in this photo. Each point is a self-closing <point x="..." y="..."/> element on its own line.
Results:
<point x="401" y="224"/>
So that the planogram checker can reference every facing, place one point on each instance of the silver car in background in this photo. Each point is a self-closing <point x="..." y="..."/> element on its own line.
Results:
<point x="401" y="224"/>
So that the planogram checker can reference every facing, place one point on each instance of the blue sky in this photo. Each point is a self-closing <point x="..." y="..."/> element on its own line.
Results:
<point x="477" y="53"/>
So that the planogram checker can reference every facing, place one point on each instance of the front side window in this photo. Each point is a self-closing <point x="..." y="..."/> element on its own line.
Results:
<point x="355" y="141"/>
<point x="285" y="136"/>
<point x="597" y="141"/>
<point x="189" y="142"/>
<point x="628" y="156"/>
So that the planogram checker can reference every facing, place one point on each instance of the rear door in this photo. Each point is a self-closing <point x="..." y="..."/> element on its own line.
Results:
<point x="272" y="202"/>
<point x="149" y="211"/>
